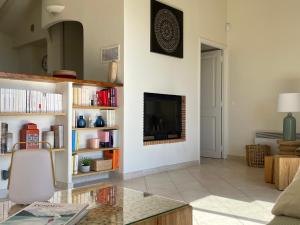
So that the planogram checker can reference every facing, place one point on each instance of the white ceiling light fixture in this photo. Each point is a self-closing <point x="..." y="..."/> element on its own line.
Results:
<point x="55" y="9"/>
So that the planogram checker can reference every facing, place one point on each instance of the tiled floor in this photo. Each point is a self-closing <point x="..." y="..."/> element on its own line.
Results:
<point x="222" y="192"/>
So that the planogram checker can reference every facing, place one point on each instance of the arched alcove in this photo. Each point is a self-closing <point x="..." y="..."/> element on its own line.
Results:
<point x="65" y="47"/>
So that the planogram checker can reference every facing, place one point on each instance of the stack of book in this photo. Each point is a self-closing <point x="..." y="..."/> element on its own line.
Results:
<point x="3" y="137"/>
<point x="58" y="135"/>
<point x="107" y="97"/>
<point x="84" y="96"/>
<point x="28" y="101"/>
<point x="109" y="117"/>
<point x="107" y="196"/>
<point x="108" y="139"/>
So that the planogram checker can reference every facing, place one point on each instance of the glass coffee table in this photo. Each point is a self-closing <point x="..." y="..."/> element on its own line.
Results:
<point x="113" y="205"/>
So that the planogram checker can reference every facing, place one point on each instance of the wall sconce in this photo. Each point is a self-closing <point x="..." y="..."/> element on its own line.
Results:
<point x="55" y="9"/>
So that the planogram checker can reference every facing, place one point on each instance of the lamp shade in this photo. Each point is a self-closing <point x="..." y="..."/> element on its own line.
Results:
<point x="288" y="102"/>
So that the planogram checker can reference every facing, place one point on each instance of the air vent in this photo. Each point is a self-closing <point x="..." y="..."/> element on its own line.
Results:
<point x="111" y="53"/>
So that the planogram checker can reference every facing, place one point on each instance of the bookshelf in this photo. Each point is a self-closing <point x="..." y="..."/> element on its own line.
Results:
<point x="106" y="106"/>
<point x="63" y="156"/>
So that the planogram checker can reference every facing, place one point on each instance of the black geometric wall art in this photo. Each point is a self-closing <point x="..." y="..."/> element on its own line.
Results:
<point x="166" y="30"/>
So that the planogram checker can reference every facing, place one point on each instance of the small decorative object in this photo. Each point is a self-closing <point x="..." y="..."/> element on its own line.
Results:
<point x="85" y="165"/>
<point x="81" y="123"/>
<point x="64" y="74"/>
<point x="92" y="102"/>
<point x="99" y="122"/>
<point x="112" y="71"/>
<point x="255" y="155"/>
<point x="166" y="30"/>
<point x="9" y="141"/>
<point x="48" y="136"/>
<point x="289" y="102"/>
<point x="5" y="174"/>
<point x="90" y="122"/>
<point x="94" y="143"/>
<point x="29" y="134"/>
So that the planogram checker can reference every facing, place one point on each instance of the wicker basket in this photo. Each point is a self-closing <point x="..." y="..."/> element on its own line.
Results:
<point x="101" y="164"/>
<point x="255" y="155"/>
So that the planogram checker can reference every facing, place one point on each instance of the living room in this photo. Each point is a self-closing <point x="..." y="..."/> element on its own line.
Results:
<point x="112" y="48"/>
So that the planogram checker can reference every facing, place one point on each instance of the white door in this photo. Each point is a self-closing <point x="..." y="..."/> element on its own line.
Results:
<point x="211" y="104"/>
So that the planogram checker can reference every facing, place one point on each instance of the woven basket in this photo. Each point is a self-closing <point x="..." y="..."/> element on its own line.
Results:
<point x="255" y="155"/>
<point x="101" y="164"/>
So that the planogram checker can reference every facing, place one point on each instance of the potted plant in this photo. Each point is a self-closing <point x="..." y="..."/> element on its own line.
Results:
<point x="85" y="165"/>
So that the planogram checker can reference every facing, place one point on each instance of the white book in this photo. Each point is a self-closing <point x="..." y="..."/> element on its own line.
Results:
<point x="51" y="106"/>
<point x="115" y="136"/>
<point x="2" y="100"/>
<point x="17" y="100"/>
<point x="75" y="96"/>
<point x="24" y="101"/>
<point x="60" y="102"/>
<point x="6" y="100"/>
<point x="75" y="164"/>
<point x="79" y="96"/>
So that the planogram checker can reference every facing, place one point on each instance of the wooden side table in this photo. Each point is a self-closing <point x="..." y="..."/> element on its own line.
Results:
<point x="281" y="169"/>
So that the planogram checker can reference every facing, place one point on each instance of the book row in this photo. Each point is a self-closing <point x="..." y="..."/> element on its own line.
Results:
<point x="28" y="101"/>
<point x="87" y="97"/>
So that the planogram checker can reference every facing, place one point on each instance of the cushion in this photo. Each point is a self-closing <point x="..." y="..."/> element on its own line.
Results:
<point x="284" y="220"/>
<point x="288" y="202"/>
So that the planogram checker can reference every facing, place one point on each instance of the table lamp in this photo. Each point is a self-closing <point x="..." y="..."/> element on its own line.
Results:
<point x="289" y="102"/>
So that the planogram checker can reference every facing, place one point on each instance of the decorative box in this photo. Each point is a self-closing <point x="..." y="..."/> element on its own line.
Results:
<point x="114" y="156"/>
<point x="101" y="164"/>
<point x="29" y="134"/>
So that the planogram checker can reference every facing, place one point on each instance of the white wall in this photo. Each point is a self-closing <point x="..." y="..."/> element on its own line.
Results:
<point x="263" y="61"/>
<point x="149" y="72"/>
<point x="102" y="23"/>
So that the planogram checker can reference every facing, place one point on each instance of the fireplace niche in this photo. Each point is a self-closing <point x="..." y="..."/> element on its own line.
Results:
<point x="164" y="118"/>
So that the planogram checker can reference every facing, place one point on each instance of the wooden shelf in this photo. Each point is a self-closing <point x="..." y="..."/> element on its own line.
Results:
<point x="54" y="150"/>
<point x="96" y="128"/>
<point x="91" y="173"/>
<point x="94" y="107"/>
<point x="5" y="154"/>
<point x="58" y="149"/>
<point x="90" y="150"/>
<point x="32" y="114"/>
<point x="50" y="79"/>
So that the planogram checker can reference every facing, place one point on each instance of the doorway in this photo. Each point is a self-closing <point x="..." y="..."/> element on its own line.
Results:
<point x="211" y="97"/>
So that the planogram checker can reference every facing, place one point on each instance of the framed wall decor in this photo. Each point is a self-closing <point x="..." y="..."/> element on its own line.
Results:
<point x="166" y="34"/>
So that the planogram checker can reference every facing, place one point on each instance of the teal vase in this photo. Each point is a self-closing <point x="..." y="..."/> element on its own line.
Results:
<point x="289" y="128"/>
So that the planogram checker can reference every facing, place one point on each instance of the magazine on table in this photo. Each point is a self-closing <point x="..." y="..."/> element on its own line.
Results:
<point x="45" y="213"/>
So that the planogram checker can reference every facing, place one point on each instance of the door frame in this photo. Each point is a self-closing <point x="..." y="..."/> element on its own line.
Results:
<point x="225" y="94"/>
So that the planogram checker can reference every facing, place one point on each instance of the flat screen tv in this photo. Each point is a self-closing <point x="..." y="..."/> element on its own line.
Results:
<point x="162" y="116"/>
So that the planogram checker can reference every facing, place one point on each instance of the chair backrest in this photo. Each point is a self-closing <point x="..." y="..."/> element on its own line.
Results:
<point x="31" y="176"/>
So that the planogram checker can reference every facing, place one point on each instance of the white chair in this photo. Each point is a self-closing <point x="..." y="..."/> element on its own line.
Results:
<point x="31" y="176"/>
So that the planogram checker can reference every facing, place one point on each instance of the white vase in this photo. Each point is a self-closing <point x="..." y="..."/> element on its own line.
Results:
<point x="85" y="169"/>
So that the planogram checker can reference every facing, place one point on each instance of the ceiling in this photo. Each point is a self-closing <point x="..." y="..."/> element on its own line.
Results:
<point x="12" y="13"/>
